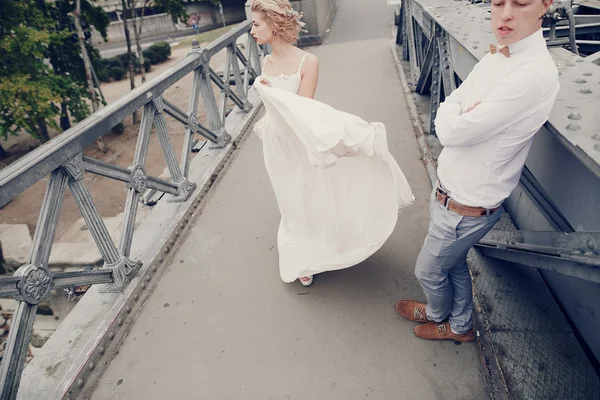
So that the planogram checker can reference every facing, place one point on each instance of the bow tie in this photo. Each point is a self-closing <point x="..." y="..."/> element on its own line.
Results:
<point x="503" y="50"/>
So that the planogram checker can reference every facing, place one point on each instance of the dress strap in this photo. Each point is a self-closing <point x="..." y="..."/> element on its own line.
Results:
<point x="301" y="63"/>
<point x="265" y="62"/>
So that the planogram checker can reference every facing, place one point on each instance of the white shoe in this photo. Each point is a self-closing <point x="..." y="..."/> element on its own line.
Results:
<point x="306" y="280"/>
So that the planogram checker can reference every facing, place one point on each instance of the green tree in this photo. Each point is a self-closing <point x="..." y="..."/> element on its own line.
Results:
<point x="175" y="8"/>
<point x="41" y="75"/>
<point x="29" y="89"/>
<point x="65" y="55"/>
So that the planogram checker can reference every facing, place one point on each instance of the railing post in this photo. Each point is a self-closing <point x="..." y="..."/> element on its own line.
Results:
<point x="185" y="187"/>
<point x="122" y="268"/>
<point x="210" y="103"/>
<point x="35" y="285"/>
<point x="192" y="117"/>
<point x="436" y="79"/>
<point x="139" y="180"/>
<point x="405" y="27"/>
<point x="16" y="349"/>
<point x="232" y="50"/>
<point x="446" y="62"/>
<point x="254" y="56"/>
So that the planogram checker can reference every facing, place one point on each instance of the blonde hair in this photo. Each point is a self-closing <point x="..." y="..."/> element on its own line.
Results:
<point x="281" y="17"/>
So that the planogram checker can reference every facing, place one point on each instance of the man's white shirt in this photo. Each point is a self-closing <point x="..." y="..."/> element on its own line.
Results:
<point x="485" y="149"/>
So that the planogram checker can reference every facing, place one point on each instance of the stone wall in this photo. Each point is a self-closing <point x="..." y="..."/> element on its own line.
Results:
<point x="162" y="24"/>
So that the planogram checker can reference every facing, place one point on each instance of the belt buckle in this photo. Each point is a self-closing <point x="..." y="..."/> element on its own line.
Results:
<point x="445" y="196"/>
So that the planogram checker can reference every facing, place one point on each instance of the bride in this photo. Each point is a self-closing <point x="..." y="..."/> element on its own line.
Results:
<point x="337" y="186"/>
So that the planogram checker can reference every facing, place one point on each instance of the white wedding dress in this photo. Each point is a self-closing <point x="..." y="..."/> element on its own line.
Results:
<point x="337" y="186"/>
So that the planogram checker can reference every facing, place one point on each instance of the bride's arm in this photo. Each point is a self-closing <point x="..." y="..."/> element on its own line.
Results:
<point x="310" y="77"/>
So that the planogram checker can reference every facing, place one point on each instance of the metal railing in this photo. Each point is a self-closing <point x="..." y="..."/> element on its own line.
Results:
<point x="62" y="159"/>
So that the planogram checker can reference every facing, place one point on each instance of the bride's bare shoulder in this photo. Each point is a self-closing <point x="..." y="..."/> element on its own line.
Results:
<point x="311" y="63"/>
<point x="308" y="56"/>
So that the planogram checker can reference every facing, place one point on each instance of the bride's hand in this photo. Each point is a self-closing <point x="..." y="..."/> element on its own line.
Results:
<point x="265" y="82"/>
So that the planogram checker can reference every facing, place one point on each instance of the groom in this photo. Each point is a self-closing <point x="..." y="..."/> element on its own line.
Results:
<point x="487" y="127"/>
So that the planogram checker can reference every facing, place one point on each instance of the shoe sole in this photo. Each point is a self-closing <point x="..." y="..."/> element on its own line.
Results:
<point x="462" y="340"/>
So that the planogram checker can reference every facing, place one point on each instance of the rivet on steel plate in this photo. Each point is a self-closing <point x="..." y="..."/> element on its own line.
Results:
<point x="575" y="116"/>
<point x="573" y="127"/>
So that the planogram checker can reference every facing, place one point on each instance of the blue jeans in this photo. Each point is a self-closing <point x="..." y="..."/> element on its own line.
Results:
<point x="441" y="267"/>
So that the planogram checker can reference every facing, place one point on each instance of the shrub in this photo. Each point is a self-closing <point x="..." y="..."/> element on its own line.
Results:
<point x="158" y="52"/>
<point x="115" y="68"/>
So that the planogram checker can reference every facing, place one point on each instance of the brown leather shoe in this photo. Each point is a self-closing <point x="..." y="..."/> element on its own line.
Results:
<point x="411" y="310"/>
<point x="442" y="331"/>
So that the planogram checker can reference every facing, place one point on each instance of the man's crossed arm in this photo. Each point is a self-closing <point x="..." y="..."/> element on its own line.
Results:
<point x="508" y="101"/>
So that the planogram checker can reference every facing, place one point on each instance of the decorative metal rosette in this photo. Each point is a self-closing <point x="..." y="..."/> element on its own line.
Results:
<point x="35" y="284"/>
<point x="138" y="179"/>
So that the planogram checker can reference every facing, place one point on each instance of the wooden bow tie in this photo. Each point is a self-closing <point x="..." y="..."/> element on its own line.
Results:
<point x="503" y="50"/>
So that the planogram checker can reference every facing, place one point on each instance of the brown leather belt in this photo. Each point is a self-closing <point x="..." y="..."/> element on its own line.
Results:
<point x="467" y="211"/>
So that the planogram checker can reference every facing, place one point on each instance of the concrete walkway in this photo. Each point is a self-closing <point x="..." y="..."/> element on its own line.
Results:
<point x="222" y="325"/>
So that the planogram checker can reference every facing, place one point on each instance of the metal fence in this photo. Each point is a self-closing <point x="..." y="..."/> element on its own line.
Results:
<point x="62" y="159"/>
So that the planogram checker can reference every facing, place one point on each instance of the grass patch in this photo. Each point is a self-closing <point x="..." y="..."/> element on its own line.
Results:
<point x="204" y="37"/>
